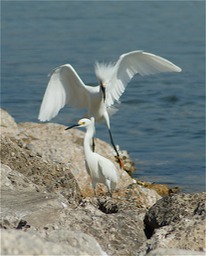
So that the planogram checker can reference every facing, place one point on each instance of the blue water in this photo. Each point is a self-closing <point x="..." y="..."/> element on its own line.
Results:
<point x="161" y="118"/>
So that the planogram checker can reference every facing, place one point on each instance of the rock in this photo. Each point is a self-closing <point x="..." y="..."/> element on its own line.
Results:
<point x="117" y="226"/>
<point x="169" y="252"/>
<point x="171" y="209"/>
<point x="161" y="189"/>
<point x="43" y="166"/>
<point x="86" y="244"/>
<point x="28" y="203"/>
<point x="176" y="221"/>
<point x="69" y="243"/>
<point x="129" y="165"/>
<point x="58" y="177"/>
<point x="53" y="177"/>
<point x="8" y="124"/>
<point x="118" y="233"/>
<point x="48" y="205"/>
<point x="49" y="155"/>
<point x="15" y="181"/>
<point x="137" y="195"/>
<point x="52" y="142"/>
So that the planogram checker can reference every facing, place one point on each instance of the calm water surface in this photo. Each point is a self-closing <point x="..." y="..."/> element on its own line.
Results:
<point x="161" y="118"/>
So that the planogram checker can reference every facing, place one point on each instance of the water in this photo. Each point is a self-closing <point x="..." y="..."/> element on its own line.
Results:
<point x="161" y="118"/>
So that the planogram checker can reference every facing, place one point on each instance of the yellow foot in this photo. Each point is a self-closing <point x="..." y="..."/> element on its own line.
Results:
<point x="121" y="164"/>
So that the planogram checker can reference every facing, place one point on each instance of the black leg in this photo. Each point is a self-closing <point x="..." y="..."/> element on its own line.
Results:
<point x="118" y="156"/>
<point x="111" y="139"/>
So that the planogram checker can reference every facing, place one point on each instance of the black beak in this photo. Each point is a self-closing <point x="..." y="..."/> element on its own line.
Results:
<point x="72" y="126"/>
<point x="103" y="91"/>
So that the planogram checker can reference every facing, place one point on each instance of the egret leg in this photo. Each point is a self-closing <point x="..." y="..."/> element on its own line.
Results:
<point x="94" y="188"/>
<point x="108" y="184"/>
<point x="106" y="117"/>
<point x="118" y="156"/>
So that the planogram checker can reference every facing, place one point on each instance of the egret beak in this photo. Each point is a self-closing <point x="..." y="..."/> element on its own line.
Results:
<point x="102" y="86"/>
<point x="72" y="126"/>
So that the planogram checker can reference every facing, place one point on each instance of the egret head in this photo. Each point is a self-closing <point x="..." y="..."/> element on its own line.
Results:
<point x="84" y="122"/>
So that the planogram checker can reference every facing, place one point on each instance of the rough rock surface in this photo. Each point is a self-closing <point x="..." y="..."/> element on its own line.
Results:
<point x="177" y="221"/>
<point x="52" y="142"/>
<point x="119" y="231"/>
<point x="50" y="156"/>
<point x="174" y="252"/>
<point x="48" y="207"/>
<point x="69" y="243"/>
<point x="171" y="209"/>
<point x="8" y="124"/>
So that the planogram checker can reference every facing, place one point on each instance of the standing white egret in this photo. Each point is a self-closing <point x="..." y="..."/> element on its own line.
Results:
<point x="100" y="169"/>
<point x="66" y="87"/>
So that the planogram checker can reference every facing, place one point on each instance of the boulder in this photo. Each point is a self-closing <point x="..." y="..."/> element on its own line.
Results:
<point x="176" y="221"/>
<point x="52" y="142"/>
<point x="15" y="242"/>
<point x="48" y="205"/>
<point x="15" y="181"/>
<point x="172" y="209"/>
<point x="44" y="173"/>
<point x="49" y="155"/>
<point x="43" y="166"/>
<point x="7" y="124"/>
<point x="169" y="252"/>
<point x="118" y="227"/>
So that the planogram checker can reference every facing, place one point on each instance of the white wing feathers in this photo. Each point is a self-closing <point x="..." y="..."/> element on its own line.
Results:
<point x="64" y="87"/>
<point x="116" y="76"/>
<point x="107" y="168"/>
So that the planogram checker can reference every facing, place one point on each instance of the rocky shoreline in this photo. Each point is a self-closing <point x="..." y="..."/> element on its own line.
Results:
<point x="48" y="206"/>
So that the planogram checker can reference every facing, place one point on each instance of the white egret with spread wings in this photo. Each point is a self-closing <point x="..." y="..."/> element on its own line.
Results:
<point x="66" y="87"/>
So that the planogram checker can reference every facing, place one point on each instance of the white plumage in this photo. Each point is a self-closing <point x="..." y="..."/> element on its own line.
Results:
<point x="100" y="169"/>
<point x="66" y="87"/>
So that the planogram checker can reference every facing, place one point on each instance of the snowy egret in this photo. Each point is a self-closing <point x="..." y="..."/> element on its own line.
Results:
<point x="66" y="87"/>
<point x="100" y="169"/>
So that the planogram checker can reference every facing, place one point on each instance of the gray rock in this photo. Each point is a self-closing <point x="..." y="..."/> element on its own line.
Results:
<point x="169" y="252"/>
<point x="172" y="209"/>
<point x="52" y="176"/>
<point x="7" y="124"/>
<point x="62" y="243"/>
<point x="177" y="221"/>
<point x="50" y="156"/>
<point x="18" y="205"/>
<point x="118" y="233"/>
<point x="53" y="143"/>
<point x="14" y="180"/>
<point x="48" y="205"/>
<point x="115" y="223"/>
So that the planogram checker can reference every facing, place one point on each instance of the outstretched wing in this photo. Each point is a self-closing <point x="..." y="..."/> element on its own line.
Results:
<point x="116" y="76"/>
<point x="64" y="87"/>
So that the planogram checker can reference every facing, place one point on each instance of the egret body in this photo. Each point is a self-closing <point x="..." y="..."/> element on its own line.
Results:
<point x="66" y="87"/>
<point x="100" y="169"/>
